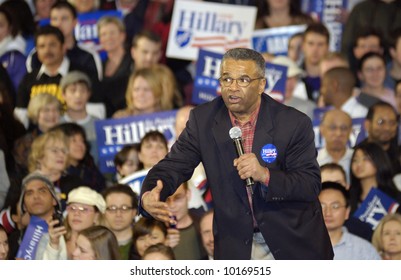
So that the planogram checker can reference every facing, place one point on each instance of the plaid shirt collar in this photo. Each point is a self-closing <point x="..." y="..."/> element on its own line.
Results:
<point x="252" y="120"/>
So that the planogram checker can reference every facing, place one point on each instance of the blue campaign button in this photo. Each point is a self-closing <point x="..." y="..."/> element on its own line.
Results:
<point x="269" y="153"/>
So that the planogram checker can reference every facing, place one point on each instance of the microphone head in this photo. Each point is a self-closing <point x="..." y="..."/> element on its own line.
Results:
<point x="235" y="132"/>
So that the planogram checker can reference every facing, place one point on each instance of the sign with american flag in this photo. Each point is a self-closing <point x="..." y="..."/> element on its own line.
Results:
<point x="212" y="26"/>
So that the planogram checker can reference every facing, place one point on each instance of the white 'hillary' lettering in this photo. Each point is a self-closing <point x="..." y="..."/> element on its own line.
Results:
<point x="211" y="22"/>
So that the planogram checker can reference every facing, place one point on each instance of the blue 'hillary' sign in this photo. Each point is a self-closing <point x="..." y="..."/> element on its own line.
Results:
<point x="275" y="40"/>
<point x="375" y="206"/>
<point x="207" y="87"/>
<point x="113" y="134"/>
<point x="328" y="12"/>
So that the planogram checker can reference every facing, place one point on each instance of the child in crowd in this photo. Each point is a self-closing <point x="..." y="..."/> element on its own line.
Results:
<point x="76" y="90"/>
<point x="126" y="161"/>
<point x="159" y="252"/>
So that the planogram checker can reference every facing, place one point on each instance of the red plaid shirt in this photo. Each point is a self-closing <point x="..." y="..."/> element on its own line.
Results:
<point x="248" y="133"/>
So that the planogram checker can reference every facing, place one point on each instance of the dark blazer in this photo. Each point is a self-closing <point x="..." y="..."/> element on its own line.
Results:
<point x="287" y="211"/>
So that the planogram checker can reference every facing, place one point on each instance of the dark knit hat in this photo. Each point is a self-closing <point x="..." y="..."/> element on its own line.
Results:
<point x="38" y="176"/>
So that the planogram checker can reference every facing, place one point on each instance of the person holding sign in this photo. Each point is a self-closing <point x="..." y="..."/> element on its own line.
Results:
<point x="371" y="169"/>
<point x="280" y="217"/>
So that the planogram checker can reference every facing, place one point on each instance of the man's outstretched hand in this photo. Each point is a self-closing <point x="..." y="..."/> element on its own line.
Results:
<point x="158" y="209"/>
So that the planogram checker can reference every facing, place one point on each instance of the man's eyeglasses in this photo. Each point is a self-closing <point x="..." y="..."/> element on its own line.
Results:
<point x="381" y="122"/>
<point x="79" y="209"/>
<point x="114" y="209"/>
<point x="332" y="207"/>
<point x="241" y="81"/>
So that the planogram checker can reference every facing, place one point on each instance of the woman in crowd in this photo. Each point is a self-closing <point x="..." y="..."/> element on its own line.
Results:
<point x="387" y="237"/>
<point x="144" y="94"/>
<point x="370" y="168"/>
<point x="49" y="155"/>
<point x="85" y="208"/>
<point x="277" y="13"/>
<point x="147" y="232"/>
<point x="372" y="74"/>
<point x="117" y="66"/>
<point x="80" y="162"/>
<point x="96" y="243"/>
<point x="44" y="112"/>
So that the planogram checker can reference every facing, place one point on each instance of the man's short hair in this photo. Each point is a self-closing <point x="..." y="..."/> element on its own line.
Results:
<point x="338" y="187"/>
<point x="380" y="104"/>
<point x="367" y="32"/>
<point x="124" y="189"/>
<point x="49" y="30"/>
<point x="65" y="5"/>
<point x="318" y="28"/>
<point x="332" y="166"/>
<point x="151" y="36"/>
<point x="247" y="54"/>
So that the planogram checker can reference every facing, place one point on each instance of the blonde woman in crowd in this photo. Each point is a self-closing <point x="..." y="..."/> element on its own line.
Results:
<point x="387" y="237"/>
<point x="49" y="156"/>
<point x="117" y="66"/>
<point x="144" y="94"/>
<point x="44" y="111"/>
<point x="171" y="97"/>
<point x="85" y="208"/>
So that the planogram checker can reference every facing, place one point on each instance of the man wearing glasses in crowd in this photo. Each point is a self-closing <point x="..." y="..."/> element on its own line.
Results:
<point x="121" y="209"/>
<point x="381" y="125"/>
<point x="277" y="217"/>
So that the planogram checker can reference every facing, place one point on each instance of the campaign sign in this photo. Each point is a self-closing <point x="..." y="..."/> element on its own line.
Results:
<point x="329" y="13"/>
<point x="358" y="133"/>
<point x="206" y="83"/>
<point x="207" y="86"/>
<point x="29" y="245"/>
<point x="113" y="134"/>
<point x="135" y="180"/>
<point x="275" y="40"/>
<point x="217" y="27"/>
<point x="375" y="206"/>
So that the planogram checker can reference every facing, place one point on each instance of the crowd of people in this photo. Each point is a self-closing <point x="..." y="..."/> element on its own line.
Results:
<point x="53" y="89"/>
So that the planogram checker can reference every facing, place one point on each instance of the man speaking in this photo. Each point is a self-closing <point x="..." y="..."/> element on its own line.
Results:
<point x="278" y="216"/>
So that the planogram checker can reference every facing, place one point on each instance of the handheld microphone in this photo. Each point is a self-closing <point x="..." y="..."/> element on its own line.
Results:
<point x="236" y="134"/>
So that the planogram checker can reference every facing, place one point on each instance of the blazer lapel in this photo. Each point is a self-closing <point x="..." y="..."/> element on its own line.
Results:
<point x="264" y="127"/>
<point x="220" y="130"/>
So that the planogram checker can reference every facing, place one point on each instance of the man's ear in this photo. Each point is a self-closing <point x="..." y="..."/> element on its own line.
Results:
<point x="366" y="124"/>
<point x="347" y="212"/>
<point x="262" y="85"/>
